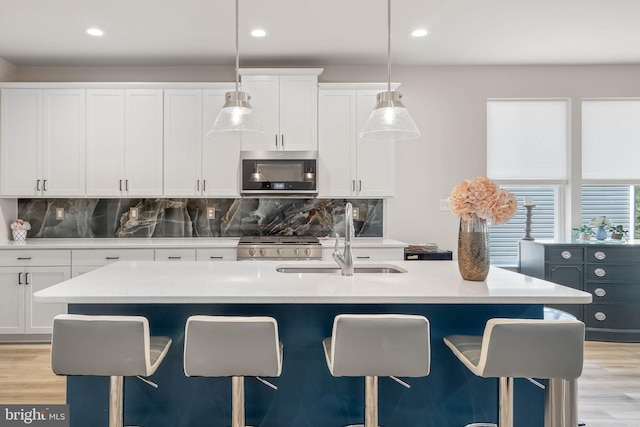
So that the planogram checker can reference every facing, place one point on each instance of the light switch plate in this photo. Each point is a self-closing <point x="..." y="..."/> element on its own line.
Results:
<point x="133" y="213"/>
<point x="59" y="214"/>
<point x="211" y="213"/>
<point x="445" y="205"/>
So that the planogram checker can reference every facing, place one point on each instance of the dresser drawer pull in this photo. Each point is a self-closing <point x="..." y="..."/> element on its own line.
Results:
<point x="175" y="257"/>
<point x="600" y="255"/>
<point x="599" y="272"/>
<point x="600" y="316"/>
<point x="24" y="258"/>
<point x="565" y="254"/>
<point x="112" y="257"/>
<point x="599" y="292"/>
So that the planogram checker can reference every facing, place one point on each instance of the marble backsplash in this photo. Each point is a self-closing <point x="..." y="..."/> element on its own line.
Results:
<point x="94" y="218"/>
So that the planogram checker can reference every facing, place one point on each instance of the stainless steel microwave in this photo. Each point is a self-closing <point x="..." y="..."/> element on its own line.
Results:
<point x="279" y="172"/>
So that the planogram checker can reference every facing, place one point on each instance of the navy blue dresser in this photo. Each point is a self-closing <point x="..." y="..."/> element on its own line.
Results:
<point x="610" y="272"/>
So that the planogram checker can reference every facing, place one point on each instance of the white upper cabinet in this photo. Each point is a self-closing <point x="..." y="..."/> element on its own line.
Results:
<point x="195" y="164"/>
<point x="124" y="142"/>
<point x="286" y="106"/>
<point x="42" y="142"/>
<point x="348" y="165"/>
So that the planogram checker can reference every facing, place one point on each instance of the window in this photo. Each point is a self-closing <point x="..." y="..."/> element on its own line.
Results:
<point x="616" y="202"/>
<point x="503" y="239"/>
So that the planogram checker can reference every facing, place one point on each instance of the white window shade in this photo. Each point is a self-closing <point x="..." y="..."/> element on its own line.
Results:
<point x="611" y="140"/>
<point x="527" y="140"/>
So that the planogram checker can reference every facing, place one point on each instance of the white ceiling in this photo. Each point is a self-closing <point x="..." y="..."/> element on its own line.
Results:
<point x="319" y="32"/>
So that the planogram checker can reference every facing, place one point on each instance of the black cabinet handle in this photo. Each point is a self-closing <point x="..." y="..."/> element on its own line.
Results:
<point x="276" y="141"/>
<point x="198" y="185"/>
<point x="44" y="185"/>
<point x="24" y="258"/>
<point x="126" y="184"/>
<point x="26" y="277"/>
<point x="20" y="278"/>
<point x="363" y="257"/>
<point x="38" y="185"/>
<point x="204" y="185"/>
<point x="113" y="257"/>
<point x="175" y="257"/>
<point x="282" y="141"/>
<point x="216" y="257"/>
<point x="120" y="185"/>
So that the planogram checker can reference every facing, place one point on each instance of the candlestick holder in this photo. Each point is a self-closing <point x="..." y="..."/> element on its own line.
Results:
<point x="527" y="224"/>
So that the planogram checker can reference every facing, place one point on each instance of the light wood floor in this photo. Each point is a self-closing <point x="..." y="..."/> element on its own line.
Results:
<point x="609" y="389"/>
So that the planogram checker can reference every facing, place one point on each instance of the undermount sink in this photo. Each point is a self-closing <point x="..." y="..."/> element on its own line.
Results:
<point x="375" y="269"/>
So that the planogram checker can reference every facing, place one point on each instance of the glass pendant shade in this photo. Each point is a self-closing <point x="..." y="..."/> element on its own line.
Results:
<point x="389" y="120"/>
<point x="236" y="115"/>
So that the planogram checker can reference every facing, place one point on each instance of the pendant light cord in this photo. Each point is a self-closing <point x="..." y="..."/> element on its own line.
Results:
<point x="389" y="46"/>
<point x="237" y="50"/>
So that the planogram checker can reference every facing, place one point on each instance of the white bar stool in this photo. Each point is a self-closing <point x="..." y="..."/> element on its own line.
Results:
<point x="373" y="345"/>
<point x="110" y="346"/>
<point x="522" y="348"/>
<point x="233" y="346"/>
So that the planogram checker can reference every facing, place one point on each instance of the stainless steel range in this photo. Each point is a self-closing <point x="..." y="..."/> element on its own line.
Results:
<point x="279" y="247"/>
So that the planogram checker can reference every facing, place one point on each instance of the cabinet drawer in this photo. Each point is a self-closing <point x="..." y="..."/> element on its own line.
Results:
<point x="623" y="254"/>
<point x="612" y="316"/>
<point x="614" y="292"/>
<point x="217" y="254"/>
<point x="612" y="273"/>
<point x="175" y="254"/>
<point x="562" y="254"/>
<point x="107" y="256"/>
<point x="35" y="257"/>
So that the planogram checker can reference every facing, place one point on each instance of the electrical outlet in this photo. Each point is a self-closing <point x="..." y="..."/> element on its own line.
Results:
<point x="211" y="213"/>
<point x="133" y="213"/>
<point x="445" y="205"/>
<point x="356" y="213"/>
<point x="59" y="214"/>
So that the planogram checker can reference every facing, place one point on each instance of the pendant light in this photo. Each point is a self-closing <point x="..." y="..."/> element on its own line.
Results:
<point x="389" y="120"/>
<point x="236" y="114"/>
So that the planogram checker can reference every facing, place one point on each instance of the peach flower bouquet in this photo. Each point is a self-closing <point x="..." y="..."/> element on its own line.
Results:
<point x="482" y="197"/>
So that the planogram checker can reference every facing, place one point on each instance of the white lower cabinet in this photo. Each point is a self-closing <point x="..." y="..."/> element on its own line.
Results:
<point x="367" y="254"/>
<point x="19" y="314"/>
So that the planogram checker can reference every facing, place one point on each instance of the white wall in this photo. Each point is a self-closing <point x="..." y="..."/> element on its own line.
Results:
<point x="8" y="71"/>
<point x="448" y="104"/>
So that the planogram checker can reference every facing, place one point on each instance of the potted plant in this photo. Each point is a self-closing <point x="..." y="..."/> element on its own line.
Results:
<point x="585" y="232"/>
<point x="617" y="232"/>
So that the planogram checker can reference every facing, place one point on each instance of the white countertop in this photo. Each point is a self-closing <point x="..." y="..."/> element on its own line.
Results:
<point x="433" y="282"/>
<point x="174" y="242"/>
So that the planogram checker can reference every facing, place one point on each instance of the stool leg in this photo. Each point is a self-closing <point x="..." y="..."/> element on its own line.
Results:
<point x="116" y="398"/>
<point x="237" y="402"/>
<point x="506" y="402"/>
<point x="561" y="403"/>
<point x="371" y="402"/>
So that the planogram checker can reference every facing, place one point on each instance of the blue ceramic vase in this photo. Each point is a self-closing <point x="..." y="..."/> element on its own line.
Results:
<point x="601" y="233"/>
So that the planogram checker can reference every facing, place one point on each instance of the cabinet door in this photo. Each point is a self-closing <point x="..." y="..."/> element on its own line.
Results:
<point x="265" y="101"/>
<point x="571" y="276"/>
<point x="21" y="140"/>
<point x="39" y="316"/>
<point x="143" y="142"/>
<point x="220" y="152"/>
<point x="105" y="142"/>
<point x="336" y="142"/>
<point x="182" y="142"/>
<point x="11" y="300"/>
<point x="375" y="159"/>
<point x="299" y="113"/>
<point x="64" y="142"/>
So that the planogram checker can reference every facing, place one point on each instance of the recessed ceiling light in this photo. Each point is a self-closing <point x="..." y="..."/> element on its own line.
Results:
<point x="258" y="32"/>
<point x="420" y="32"/>
<point x="94" y="32"/>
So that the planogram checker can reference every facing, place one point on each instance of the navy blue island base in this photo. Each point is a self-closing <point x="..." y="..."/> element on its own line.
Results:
<point x="307" y="395"/>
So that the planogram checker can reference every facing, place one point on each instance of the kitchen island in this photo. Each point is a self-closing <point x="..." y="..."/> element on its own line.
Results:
<point x="304" y="305"/>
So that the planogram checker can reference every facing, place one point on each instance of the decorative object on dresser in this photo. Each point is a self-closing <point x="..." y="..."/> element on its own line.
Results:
<point x="618" y="232"/>
<point x="19" y="230"/>
<point x="584" y="232"/>
<point x="600" y="223"/>
<point x="476" y="202"/>
<point x="610" y="272"/>
<point x="528" y="205"/>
